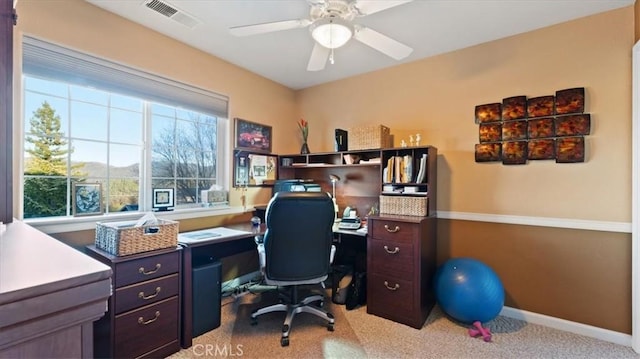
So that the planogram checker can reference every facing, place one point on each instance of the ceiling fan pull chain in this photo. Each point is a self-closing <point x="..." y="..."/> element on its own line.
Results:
<point x="331" y="57"/>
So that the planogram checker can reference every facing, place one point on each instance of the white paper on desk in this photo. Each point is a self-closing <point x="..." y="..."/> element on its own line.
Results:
<point x="209" y="234"/>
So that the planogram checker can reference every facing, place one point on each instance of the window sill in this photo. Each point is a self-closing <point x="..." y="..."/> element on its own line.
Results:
<point x="58" y="225"/>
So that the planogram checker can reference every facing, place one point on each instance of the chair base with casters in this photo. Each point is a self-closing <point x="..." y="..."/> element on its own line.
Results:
<point x="294" y="307"/>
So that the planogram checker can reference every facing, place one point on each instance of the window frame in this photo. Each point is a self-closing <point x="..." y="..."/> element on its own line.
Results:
<point x="68" y="223"/>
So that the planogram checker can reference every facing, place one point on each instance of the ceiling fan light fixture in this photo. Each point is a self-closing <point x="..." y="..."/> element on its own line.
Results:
<point x="331" y="32"/>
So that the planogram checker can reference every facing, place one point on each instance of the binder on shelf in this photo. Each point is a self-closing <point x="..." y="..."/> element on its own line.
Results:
<point x="423" y="169"/>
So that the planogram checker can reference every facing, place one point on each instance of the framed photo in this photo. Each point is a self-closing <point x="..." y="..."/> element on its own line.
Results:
<point x="87" y="199"/>
<point x="252" y="136"/>
<point x="163" y="199"/>
<point x="254" y="169"/>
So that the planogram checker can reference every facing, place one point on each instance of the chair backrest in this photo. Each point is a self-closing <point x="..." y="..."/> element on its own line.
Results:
<point x="299" y="235"/>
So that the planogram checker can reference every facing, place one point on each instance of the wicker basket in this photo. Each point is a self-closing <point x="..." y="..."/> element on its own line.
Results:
<point x="123" y="238"/>
<point x="368" y="137"/>
<point x="404" y="205"/>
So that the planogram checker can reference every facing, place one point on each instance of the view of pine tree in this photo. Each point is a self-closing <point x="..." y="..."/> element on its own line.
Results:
<point x="45" y="183"/>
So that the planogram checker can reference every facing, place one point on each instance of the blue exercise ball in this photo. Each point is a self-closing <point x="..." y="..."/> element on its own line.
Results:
<point x="468" y="290"/>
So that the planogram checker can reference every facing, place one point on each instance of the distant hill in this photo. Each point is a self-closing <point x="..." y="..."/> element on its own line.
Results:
<point x="97" y="169"/>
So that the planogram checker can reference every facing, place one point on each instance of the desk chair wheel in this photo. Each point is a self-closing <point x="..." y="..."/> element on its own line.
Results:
<point x="254" y="321"/>
<point x="330" y="327"/>
<point x="284" y="341"/>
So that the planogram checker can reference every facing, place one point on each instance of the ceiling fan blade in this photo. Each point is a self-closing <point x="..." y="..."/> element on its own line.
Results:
<point x="368" y="7"/>
<point x="247" y="30"/>
<point x="319" y="57"/>
<point x="382" y="43"/>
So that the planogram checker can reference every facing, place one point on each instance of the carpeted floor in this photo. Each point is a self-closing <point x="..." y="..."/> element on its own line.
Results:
<point x="361" y="335"/>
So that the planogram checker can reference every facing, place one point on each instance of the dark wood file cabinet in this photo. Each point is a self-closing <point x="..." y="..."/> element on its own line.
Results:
<point x="143" y="318"/>
<point x="401" y="263"/>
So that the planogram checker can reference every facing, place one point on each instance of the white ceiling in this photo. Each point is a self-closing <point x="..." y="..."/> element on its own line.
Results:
<point x="430" y="27"/>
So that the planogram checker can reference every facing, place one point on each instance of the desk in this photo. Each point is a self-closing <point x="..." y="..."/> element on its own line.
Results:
<point x="193" y="251"/>
<point x="218" y="247"/>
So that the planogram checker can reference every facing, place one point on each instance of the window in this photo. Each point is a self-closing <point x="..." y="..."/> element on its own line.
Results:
<point x="87" y="120"/>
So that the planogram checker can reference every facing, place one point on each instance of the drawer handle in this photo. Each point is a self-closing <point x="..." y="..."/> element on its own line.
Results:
<point x="145" y="297"/>
<point x="386" y="226"/>
<point x="395" y="287"/>
<point x="143" y="322"/>
<point x="141" y="270"/>
<point x="394" y="251"/>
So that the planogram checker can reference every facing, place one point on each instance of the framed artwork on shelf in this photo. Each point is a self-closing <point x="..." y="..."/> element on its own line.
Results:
<point x="570" y="101"/>
<point x="488" y="113"/>
<point x="252" y="136"/>
<point x="488" y="152"/>
<point x="254" y="169"/>
<point x="514" y="152"/>
<point x="540" y="106"/>
<point x="540" y="128"/>
<point x="514" y="130"/>
<point x="543" y="149"/>
<point x="570" y="149"/>
<point x="514" y="108"/>
<point x="87" y="199"/>
<point x="573" y="125"/>
<point x="163" y="199"/>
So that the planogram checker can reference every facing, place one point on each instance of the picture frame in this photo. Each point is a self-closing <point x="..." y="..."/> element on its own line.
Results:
<point x="163" y="199"/>
<point x="252" y="136"/>
<point x="254" y="169"/>
<point x="87" y="199"/>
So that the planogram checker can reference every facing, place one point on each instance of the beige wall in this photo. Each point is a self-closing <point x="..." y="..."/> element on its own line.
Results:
<point x="437" y="97"/>
<point x="582" y="276"/>
<point x="558" y="272"/>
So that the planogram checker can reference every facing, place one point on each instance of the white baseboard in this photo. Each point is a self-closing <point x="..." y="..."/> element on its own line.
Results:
<point x="568" y="326"/>
<point x="240" y="280"/>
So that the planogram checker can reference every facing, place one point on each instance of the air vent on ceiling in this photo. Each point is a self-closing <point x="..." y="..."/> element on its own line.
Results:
<point x="170" y="11"/>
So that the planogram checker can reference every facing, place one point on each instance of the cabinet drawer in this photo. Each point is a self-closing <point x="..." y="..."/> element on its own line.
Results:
<point x="391" y="257"/>
<point x="146" y="268"/>
<point x="145" y="329"/>
<point x="148" y="292"/>
<point x="389" y="294"/>
<point x="395" y="230"/>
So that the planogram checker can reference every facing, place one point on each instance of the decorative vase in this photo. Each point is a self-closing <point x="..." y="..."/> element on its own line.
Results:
<point x="304" y="149"/>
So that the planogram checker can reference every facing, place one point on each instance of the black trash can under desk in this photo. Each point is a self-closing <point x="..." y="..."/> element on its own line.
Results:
<point x="207" y="278"/>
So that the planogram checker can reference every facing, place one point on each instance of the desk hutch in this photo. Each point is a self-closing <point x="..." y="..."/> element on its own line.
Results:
<point x="401" y="249"/>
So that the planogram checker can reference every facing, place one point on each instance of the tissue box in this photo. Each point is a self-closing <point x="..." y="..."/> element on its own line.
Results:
<point x="214" y="196"/>
<point x="124" y="238"/>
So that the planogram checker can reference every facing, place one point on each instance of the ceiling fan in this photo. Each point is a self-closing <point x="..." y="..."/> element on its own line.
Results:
<point x="331" y="26"/>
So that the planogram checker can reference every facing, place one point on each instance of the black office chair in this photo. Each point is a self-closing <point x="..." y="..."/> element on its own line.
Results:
<point x="297" y="250"/>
